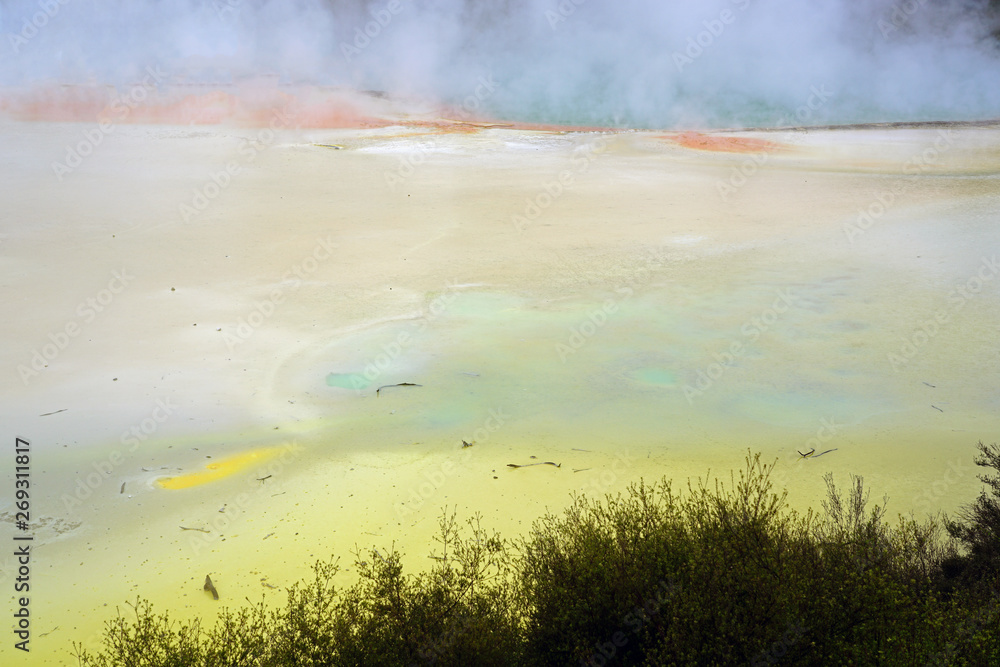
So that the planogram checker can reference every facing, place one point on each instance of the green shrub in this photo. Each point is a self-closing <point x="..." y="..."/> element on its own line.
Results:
<point x="978" y="531"/>
<point x="717" y="575"/>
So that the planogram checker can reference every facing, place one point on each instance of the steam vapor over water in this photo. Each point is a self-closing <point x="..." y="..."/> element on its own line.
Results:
<point x="634" y="63"/>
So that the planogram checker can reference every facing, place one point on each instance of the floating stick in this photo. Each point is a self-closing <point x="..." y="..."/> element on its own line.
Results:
<point x="822" y="453"/>
<point x="528" y="465"/>
<point x="209" y="586"/>
<point x="811" y="454"/>
<point x="401" y="384"/>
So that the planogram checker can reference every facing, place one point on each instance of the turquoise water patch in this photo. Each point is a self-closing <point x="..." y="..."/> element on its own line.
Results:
<point x="657" y="376"/>
<point x="347" y="380"/>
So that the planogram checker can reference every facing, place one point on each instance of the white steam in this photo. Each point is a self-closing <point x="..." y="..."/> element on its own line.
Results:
<point x="642" y="63"/>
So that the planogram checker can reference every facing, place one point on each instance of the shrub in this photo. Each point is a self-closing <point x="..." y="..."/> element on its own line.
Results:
<point x="722" y="574"/>
<point x="978" y="531"/>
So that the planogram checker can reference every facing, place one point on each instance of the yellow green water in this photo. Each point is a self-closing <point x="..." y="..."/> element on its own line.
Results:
<point x="761" y="360"/>
<point x="668" y="361"/>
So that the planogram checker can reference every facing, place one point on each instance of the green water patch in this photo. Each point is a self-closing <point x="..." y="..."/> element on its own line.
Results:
<point x="347" y="380"/>
<point x="655" y="376"/>
<point x="766" y="355"/>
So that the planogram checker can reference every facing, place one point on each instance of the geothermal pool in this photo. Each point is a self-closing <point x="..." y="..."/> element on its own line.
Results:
<point x="207" y="384"/>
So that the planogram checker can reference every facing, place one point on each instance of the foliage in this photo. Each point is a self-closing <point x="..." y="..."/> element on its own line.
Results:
<point x="719" y="574"/>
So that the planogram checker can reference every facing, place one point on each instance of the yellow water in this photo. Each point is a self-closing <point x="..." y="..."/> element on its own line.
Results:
<point x="641" y="328"/>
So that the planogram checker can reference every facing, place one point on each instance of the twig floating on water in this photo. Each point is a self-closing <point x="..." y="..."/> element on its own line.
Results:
<point x="261" y="479"/>
<point x="400" y="384"/>
<point x="528" y="465"/>
<point x="209" y="586"/>
<point x="123" y="489"/>
<point x="937" y="408"/>
<point x="930" y="385"/>
<point x="580" y="469"/>
<point x="467" y="444"/>
<point x="268" y="535"/>
<point x="811" y="454"/>
<point x="822" y="453"/>
<point x="54" y="413"/>
<point x="577" y="449"/>
<point x="200" y="530"/>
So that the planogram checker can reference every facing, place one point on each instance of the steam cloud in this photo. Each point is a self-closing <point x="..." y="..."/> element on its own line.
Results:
<point x="636" y="63"/>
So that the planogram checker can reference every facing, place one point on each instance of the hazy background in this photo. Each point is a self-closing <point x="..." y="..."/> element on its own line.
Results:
<point x="623" y="63"/>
